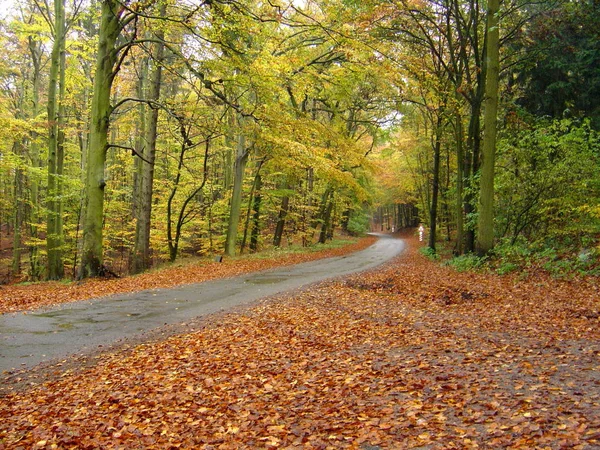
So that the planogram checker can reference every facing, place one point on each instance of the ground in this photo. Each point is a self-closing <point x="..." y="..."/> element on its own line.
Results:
<point x="413" y="355"/>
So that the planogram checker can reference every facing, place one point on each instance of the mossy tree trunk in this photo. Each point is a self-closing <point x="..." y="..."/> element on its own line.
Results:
<point x="107" y="57"/>
<point x="485" y="224"/>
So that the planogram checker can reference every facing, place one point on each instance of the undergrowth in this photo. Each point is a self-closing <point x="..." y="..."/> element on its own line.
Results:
<point x="524" y="258"/>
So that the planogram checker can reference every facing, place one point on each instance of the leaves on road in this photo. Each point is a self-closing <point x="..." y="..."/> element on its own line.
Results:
<point x="26" y="297"/>
<point x="412" y="356"/>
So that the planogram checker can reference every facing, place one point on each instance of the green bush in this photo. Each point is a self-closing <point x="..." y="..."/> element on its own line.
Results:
<point x="466" y="262"/>
<point x="506" y="267"/>
<point x="358" y="224"/>
<point x="429" y="252"/>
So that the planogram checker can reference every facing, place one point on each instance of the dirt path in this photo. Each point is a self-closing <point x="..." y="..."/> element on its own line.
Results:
<point x="413" y="355"/>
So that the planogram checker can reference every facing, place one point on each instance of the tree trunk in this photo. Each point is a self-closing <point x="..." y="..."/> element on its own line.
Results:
<point x="471" y="165"/>
<point x="241" y="159"/>
<point x="285" y="205"/>
<point x="435" y="184"/>
<point x="254" y="236"/>
<point x="256" y="186"/>
<point x="308" y="209"/>
<point x="141" y="254"/>
<point x="17" y="218"/>
<point x="459" y="186"/>
<point x="35" y="48"/>
<point x="106" y="59"/>
<point x="485" y="229"/>
<point x="54" y="235"/>
<point x="140" y="144"/>
<point x="326" y="226"/>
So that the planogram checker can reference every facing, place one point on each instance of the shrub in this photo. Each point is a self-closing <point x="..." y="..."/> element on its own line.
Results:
<point x="358" y="224"/>
<point x="429" y="252"/>
<point x="466" y="262"/>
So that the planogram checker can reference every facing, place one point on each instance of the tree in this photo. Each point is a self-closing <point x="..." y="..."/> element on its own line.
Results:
<point x="114" y="18"/>
<point x="558" y="73"/>
<point x="485" y="230"/>
<point x="141" y="253"/>
<point x="56" y="89"/>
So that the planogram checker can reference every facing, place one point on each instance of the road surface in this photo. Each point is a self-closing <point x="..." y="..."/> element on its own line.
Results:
<point x="28" y="339"/>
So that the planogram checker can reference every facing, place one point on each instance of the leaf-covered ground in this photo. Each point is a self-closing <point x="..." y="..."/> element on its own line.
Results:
<point x="30" y="296"/>
<point x="411" y="356"/>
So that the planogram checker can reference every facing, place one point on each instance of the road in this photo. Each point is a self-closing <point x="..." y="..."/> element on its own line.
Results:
<point x="28" y="339"/>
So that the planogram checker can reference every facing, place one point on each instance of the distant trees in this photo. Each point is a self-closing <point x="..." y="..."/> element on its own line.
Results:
<point x="476" y="70"/>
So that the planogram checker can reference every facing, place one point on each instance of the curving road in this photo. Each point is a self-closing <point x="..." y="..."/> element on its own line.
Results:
<point x="29" y="339"/>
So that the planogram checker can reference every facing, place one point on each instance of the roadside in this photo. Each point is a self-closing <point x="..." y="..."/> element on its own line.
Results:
<point x="412" y="355"/>
<point x="24" y="297"/>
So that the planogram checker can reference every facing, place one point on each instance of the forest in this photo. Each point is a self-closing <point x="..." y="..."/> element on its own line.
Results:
<point x="137" y="132"/>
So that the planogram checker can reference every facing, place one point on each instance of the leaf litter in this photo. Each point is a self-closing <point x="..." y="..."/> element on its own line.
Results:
<point x="413" y="355"/>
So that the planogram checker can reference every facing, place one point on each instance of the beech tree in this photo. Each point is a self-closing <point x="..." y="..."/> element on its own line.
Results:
<point x="141" y="252"/>
<point x="485" y="229"/>
<point x="110" y="55"/>
<point x="56" y="112"/>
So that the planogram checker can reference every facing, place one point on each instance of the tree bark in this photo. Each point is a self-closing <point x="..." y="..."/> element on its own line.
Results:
<point x="54" y="234"/>
<point x="485" y="228"/>
<point x="256" y="186"/>
<point x="326" y="226"/>
<point x="17" y="217"/>
<point x="241" y="158"/>
<point x="35" y="48"/>
<point x="459" y="186"/>
<point x="141" y="256"/>
<point x="106" y="59"/>
<point x="140" y="144"/>
<point x="435" y="184"/>
<point x="285" y="205"/>
<point x="256" y="216"/>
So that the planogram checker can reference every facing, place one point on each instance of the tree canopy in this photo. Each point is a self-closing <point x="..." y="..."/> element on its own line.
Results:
<point x="134" y="132"/>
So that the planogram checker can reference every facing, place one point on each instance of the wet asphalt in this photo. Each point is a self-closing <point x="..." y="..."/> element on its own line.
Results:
<point x="28" y="339"/>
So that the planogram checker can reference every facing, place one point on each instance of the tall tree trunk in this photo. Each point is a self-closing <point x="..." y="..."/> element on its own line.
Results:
<point x="256" y="185"/>
<point x="308" y="209"/>
<point x="485" y="229"/>
<point x="55" y="146"/>
<point x="256" y="216"/>
<point x="106" y="59"/>
<point x="140" y="144"/>
<point x="285" y="205"/>
<point x="459" y="186"/>
<point x="241" y="158"/>
<point x="141" y="255"/>
<point x="18" y="216"/>
<point x="36" y="162"/>
<point x="471" y="164"/>
<point x="326" y="226"/>
<point x="435" y="184"/>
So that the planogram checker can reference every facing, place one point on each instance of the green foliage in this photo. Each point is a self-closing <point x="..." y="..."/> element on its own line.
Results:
<point x="429" y="253"/>
<point x="524" y="256"/>
<point x="467" y="262"/>
<point x="547" y="187"/>
<point x="562" y="77"/>
<point x="358" y="224"/>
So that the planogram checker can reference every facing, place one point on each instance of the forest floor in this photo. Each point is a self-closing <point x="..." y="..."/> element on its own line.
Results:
<point x="411" y="355"/>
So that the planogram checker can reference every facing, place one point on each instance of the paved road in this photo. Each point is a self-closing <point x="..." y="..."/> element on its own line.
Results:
<point x="29" y="339"/>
